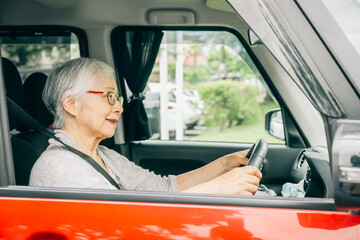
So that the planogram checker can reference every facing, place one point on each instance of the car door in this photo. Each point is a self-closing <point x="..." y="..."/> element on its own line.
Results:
<point x="60" y="213"/>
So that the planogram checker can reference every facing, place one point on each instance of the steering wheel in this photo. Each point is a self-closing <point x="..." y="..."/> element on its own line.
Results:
<point x="257" y="153"/>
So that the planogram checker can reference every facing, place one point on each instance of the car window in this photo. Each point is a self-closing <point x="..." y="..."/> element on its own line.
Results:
<point x="205" y="87"/>
<point x="38" y="51"/>
<point x="345" y="13"/>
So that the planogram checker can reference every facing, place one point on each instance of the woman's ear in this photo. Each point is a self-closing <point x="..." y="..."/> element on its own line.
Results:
<point x="70" y="105"/>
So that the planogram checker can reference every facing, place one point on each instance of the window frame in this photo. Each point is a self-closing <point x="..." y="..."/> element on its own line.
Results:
<point x="80" y="34"/>
<point x="293" y="133"/>
<point x="9" y="190"/>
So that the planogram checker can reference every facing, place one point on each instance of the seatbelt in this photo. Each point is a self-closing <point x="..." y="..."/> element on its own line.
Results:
<point x="19" y="113"/>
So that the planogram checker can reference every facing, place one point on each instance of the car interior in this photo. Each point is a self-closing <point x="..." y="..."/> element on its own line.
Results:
<point x="100" y="30"/>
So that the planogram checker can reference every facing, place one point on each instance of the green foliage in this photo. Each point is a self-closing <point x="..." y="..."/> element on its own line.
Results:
<point x="246" y="133"/>
<point x="228" y="103"/>
<point x="233" y="62"/>
<point x="33" y="54"/>
<point x="196" y="73"/>
<point x="172" y="72"/>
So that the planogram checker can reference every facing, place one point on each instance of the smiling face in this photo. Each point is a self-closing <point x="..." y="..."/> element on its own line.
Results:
<point x="95" y="117"/>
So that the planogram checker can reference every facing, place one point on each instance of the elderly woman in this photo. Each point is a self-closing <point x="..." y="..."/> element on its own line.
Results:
<point x="83" y="96"/>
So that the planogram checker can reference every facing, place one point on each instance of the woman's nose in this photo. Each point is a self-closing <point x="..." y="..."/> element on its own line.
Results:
<point x="117" y="107"/>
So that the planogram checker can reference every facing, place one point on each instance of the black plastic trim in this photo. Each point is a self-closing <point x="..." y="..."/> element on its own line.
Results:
<point x="294" y="137"/>
<point x="320" y="173"/>
<point x="169" y="198"/>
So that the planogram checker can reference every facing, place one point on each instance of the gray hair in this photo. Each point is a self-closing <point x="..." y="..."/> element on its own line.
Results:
<point x="72" y="79"/>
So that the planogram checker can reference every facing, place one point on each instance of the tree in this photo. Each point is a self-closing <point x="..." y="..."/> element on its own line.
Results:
<point x="34" y="54"/>
<point x="225" y="38"/>
<point x="228" y="103"/>
<point x="195" y="50"/>
<point x="234" y="63"/>
<point x="195" y="74"/>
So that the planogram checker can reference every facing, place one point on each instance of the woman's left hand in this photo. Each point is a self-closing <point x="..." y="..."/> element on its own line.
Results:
<point x="234" y="160"/>
<point x="212" y="170"/>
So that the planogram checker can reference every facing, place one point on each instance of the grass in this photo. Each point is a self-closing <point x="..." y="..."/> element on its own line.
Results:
<point x="248" y="131"/>
<point x="243" y="133"/>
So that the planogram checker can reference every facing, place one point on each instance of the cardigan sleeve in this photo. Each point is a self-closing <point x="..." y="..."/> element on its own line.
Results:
<point x="132" y="177"/>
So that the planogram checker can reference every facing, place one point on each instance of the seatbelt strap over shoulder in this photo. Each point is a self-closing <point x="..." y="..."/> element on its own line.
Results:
<point x="18" y="112"/>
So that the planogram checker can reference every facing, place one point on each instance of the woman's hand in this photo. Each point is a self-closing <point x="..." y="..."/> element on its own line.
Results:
<point x="234" y="160"/>
<point x="223" y="176"/>
<point x="242" y="181"/>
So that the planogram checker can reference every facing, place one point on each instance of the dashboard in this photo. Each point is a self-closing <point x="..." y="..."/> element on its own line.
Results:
<point x="313" y="166"/>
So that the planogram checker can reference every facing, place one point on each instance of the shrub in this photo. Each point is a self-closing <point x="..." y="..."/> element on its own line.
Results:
<point x="195" y="74"/>
<point x="228" y="103"/>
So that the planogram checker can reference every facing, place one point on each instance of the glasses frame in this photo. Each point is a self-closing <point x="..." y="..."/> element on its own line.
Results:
<point x="107" y="93"/>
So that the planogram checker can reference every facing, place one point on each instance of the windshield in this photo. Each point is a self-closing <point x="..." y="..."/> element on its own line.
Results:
<point x="347" y="14"/>
<point x="268" y="22"/>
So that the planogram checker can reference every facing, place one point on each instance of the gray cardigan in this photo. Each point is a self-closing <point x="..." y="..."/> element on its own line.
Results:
<point x="59" y="167"/>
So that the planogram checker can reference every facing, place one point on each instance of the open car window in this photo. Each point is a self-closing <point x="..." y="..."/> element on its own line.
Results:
<point x="205" y="87"/>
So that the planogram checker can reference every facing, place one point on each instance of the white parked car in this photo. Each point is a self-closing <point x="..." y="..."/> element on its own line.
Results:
<point x="191" y="107"/>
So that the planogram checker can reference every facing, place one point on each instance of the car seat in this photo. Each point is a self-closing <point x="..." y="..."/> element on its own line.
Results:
<point x="13" y="86"/>
<point x="35" y="106"/>
<point x="33" y="102"/>
<point x="22" y="151"/>
<point x="28" y="145"/>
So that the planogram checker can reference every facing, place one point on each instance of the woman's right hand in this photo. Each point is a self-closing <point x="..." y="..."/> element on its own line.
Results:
<point x="239" y="180"/>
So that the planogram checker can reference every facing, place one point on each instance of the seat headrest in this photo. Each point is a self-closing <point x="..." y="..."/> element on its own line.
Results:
<point x="33" y="102"/>
<point x="13" y="86"/>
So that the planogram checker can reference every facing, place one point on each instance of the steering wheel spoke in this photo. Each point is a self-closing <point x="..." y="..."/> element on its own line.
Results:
<point x="257" y="153"/>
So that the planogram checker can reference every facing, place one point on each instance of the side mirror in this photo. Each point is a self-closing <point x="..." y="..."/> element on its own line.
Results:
<point x="346" y="165"/>
<point x="274" y="125"/>
<point x="254" y="40"/>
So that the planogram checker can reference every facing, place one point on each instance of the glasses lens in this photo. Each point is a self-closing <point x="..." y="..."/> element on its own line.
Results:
<point x="112" y="98"/>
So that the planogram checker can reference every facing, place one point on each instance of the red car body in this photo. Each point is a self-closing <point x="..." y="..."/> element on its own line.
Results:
<point x="33" y="218"/>
<point x="36" y="213"/>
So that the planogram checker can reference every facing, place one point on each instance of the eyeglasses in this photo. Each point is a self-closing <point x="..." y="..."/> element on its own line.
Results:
<point x="111" y="97"/>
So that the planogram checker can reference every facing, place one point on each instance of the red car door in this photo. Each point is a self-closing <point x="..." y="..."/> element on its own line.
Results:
<point x="44" y="218"/>
<point x="59" y="213"/>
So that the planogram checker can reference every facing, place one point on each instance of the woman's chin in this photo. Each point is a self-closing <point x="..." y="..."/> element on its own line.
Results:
<point x="104" y="133"/>
<point x="109" y="133"/>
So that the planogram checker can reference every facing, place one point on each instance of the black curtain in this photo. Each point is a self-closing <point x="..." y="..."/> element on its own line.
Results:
<point x="137" y="54"/>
